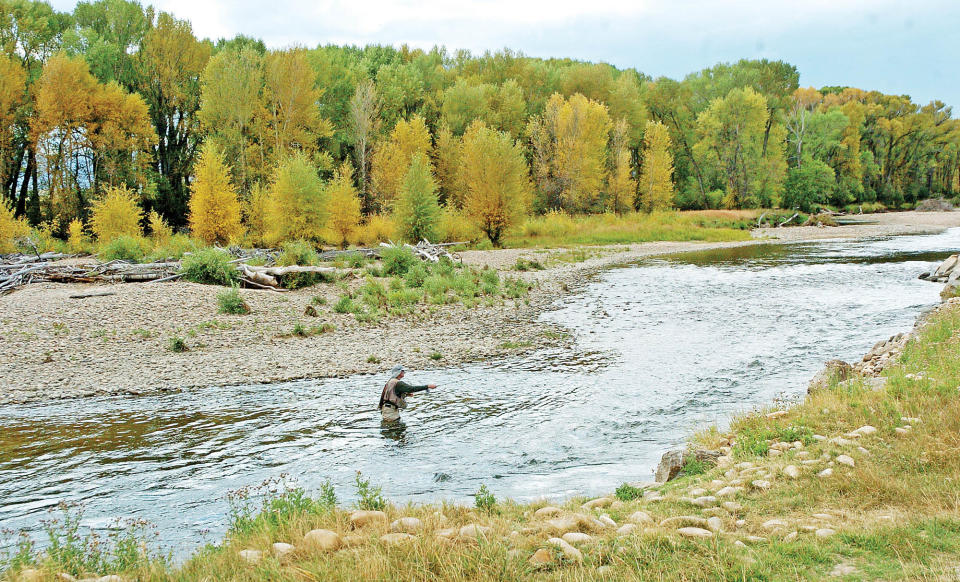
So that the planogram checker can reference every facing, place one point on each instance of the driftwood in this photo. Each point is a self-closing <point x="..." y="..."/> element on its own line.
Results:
<point x="427" y="250"/>
<point x="22" y="273"/>
<point x="789" y="220"/>
<point x="86" y="295"/>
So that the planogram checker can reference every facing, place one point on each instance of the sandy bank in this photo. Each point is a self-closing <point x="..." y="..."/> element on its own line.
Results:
<point x="56" y="347"/>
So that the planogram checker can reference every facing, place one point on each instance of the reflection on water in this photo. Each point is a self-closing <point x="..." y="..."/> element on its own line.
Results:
<point x="662" y="347"/>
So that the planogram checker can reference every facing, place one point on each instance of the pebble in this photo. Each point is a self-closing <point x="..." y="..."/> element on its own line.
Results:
<point x="822" y="516"/>
<point x="755" y="539"/>
<point x="281" y="549"/>
<point x="575" y="538"/>
<point x="323" y="539"/>
<point x="732" y="506"/>
<point x="739" y="544"/>
<point x="761" y="484"/>
<point x="607" y="521"/>
<point x="790" y="537"/>
<point x="910" y="419"/>
<point x="846" y="460"/>
<point x="548" y="511"/>
<point x="777" y="414"/>
<point x="569" y="551"/>
<point x="541" y="557"/>
<point x="810" y="462"/>
<point x="863" y="451"/>
<point x="865" y="430"/>
<point x="250" y="556"/>
<point x="627" y="529"/>
<point x="564" y="524"/>
<point x="901" y="431"/>
<point x="715" y="524"/>
<point x="729" y="491"/>
<point x="791" y="471"/>
<point x="680" y="520"/>
<point x="695" y="532"/>
<point x="824" y="532"/>
<point x="698" y="492"/>
<point x="705" y="501"/>
<point x="365" y="517"/>
<point x="772" y="524"/>
<point x="641" y="518"/>
<point x="825" y="473"/>
<point x="819" y="437"/>
<point x="393" y="539"/>
<point x="598" y="503"/>
<point x="774" y="453"/>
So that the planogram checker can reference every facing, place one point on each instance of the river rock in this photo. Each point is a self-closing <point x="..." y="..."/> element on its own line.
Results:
<point x="250" y="556"/>
<point x="323" y="539"/>
<point x="364" y="518"/>
<point x="761" y="484"/>
<point x="715" y="524"/>
<point x="541" y="557"/>
<point x="393" y="539"/>
<point x="406" y="525"/>
<point x="569" y="551"/>
<point x="731" y="506"/>
<point x="564" y="524"/>
<point x="548" y="511"/>
<point x="729" y="491"/>
<point x="684" y="520"/>
<point x="791" y="471"/>
<point x="825" y="473"/>
<point x="607" y="521"/>
<point x="575" y="538"/>
<point x="695" y="532"/>
<point x="697" y="492"/>
<point x="791" y="537"/>
<point x="641" y="518"/>
<point x="705" y="501"/>
<point x="846" y="460"/>
<point x="281" y="549"/>
<point x="739" y="544"/>
<point x="627" y="529"/>
<point x="772" y="524"/>
<point x="824" y="516"/>
<point x="824" y="532"/>
<point x="673" y="462"/>
<point x="833" y="371"/>
<point x="600" y="502"/>
<point x="474" y="531"/>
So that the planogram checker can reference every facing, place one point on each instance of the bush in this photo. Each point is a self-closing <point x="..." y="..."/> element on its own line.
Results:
<point x="177" y="344"/>
<point x="417" y="206"/>
<point x="160" y="231"/>
<point x="398" y="260"/>
<point x="299" y="253"/>
<point x="378" y="228"/>
<point x="484" y="499"/>
<point x="209" y="266"/>
<point x="808" y="187"/>
<point x="343" y="305"/>
<point x="214" y="203"/>
<point x="368" y="496"/>
<point x="298" y="202"/>
<point x="231" y="303"/>
<point x="77" y="239"/>
<point x="627" y="492"/>
<point x="115" y="214"/>
<point x="416" y="275"/>
<point x="454" y="226"/>
<point x="10" y="228"/>
<point x="177" y="246"/>
<point x="124" y="248"/>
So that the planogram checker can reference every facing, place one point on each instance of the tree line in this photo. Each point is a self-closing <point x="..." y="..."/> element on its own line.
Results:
<point x="118" y="101"/>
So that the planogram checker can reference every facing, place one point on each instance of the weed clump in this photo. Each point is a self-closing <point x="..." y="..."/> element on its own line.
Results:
<point x="210" y="266"/>
<point x="231" y="303"/>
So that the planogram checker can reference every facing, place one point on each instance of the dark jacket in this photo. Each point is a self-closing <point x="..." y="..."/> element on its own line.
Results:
<point x="395" y="393"/>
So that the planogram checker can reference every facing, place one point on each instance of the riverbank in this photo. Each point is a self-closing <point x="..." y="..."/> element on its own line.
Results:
<point x="57" y="347"/>
<point x="858" y="481"/>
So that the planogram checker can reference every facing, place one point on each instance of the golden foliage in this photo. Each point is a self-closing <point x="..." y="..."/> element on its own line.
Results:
<point x="621" y="187"/>
<point x="344" y="206"/>
<point x="13" y="81"/>
<point x="656" y="183"/>
<point x="77" y="240"/>
<point x="454" y="225"/>
<point x="391" y="159"/>
<point x="214" y="206"/>
<point x="115" y="213"/>
<point x="495" y="180"/>
<point x="378" y="228"/>
<point x="255" y="214"/>
<point x="446" y="161"/>
<point x="290" y="96"/>
<point x="160" y="231"/>
<point x="297" y="208"/>
<point x="10" y="229"/>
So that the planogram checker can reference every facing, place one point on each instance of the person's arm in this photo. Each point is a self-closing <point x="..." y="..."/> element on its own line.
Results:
<point x="402" y="388"/>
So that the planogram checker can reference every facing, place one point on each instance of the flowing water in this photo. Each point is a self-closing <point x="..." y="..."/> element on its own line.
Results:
<point x="662" y="348"/>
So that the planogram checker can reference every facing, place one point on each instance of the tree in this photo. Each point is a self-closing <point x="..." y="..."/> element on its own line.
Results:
<point x="809" y="186"/>
<point x="621" y="187"/>
<point x="230" y="97"/>
<point x="364" y="122"/>
<point x="802" y="106"/>
<point x="495" y="178"/>
<point x="297" y="207"/>
<point x="656" y="185"/>
<point x="291" y="115"/>
<point x="392" y="158"/>
<point x="116" y="213"/>
<point x="447" y="152"/>
<point x="417" y="206"/>
<point x="13" y="87"/>
<point x="570" y="148"/>
<point x="344" y="206"/>
<point x="170" y="63"/>
<point x="214" y="205"/>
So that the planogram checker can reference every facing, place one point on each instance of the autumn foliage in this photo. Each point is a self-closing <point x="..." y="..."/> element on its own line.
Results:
<point x="116" y="213"/>
<point x="344" y="205"/>
<point x="214" y="207"/>
<point x="656" y="179"/>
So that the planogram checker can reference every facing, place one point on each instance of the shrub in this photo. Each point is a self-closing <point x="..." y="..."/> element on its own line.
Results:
<point x="454" y="225"/>
<point x="232" y="303"/>
<point x="484" y="499"/>
<point x="436" y="356"/>
<point x="124" y="248"/>
<point x="214" y="204"/>
<point x="77" y="239"/>
<point x="378" y="228"/>
<point x="299" y="253"/>
<point x="177" y="344"/>
<point x="627" y="492"/>
<point x="114" y="214"/>
<point x="398" y="260"/>
<point x="344" y="207"/>
<point x="417" y="206"/>
<point x="177" y="246"/>
<point x="297" y="208"/>
<point x="209" y="266"/>
<point x="416" y="274"/>
<point x="160" y="231"/>
<point x="368" y="496"/>
<point x="343" y="305"/>
<point x="808" y="187"/>
<point x="10" y="228"/>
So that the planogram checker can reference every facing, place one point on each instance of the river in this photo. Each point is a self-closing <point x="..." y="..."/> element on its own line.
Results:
<point x="662" y="348"/>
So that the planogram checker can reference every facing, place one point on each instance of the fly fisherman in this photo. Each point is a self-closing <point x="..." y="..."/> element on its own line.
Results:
<point x="394" y="395"/>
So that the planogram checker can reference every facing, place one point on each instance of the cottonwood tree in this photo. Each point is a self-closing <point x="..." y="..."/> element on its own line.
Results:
<point x="656" y="175"/>
<point x="392" y="158"/>
<point x="621" y="187"/>
<point x="495" y="179"/>
<point x="417" y="207"/>
<point x="214" y="202"/>
<point x="297" y="206"/>
<point x="364" y="123"/>
<point x="343" y="203"/>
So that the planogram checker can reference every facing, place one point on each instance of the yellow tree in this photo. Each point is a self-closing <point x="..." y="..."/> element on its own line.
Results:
<point x="343" y="205"/>
<point x="297" y="207"/>
<point x="570" y="151"/>
<point x="621" y="187"/>
<point x="214" y="206"/>
<point x="656" y="184"/>
<point x="392" y="158"/>
<point x="446" y="160"/>
<point x="116" y="213"/>
<point x="13" y="85"/>
<point x="495" y="178"/>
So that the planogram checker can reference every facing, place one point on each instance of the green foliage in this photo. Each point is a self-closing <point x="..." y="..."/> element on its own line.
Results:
<point x="417" y="206"/>
<point x="627" y="492"/>
<point x="300" y="253"/>
<point x="694" y="466"/>
<point x="484" y="500"/>
<point x="177" y="345"/>
<point x="343" y="305"/>
<point x="273" y="504"/>
<point x="398" y="260"/>
<point x="209" y="266"/>
<point x="523" y="264"/>
<point x="436" y="356"/>
<point x="174" y="248"/>
<point x="231" y="303"/>
<point x="124" y="248"/>
<point x="368" y="496"/>
<point x="809" y="187"/>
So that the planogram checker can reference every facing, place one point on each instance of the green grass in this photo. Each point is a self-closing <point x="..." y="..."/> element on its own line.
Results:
<point x="210" y="266"/>
<point x="231" y="303"/>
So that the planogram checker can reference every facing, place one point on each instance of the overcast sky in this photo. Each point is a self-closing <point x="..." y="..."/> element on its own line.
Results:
<point x="895" y="46"/>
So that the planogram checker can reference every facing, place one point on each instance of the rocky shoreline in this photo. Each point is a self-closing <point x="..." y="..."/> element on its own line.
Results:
<point x="55" y="347"/>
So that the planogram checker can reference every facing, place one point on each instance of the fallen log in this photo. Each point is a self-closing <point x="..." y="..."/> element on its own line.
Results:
<point x="87" y="295"/>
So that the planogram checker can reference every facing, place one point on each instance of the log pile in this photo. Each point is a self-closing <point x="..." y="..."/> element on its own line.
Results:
<point x="18" y="274"/>
<point x="427" y="250"/>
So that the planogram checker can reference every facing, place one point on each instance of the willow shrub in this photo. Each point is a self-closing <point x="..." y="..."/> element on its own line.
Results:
<point x="210" y="266"/>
